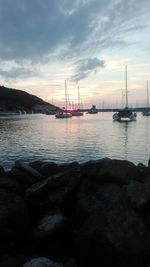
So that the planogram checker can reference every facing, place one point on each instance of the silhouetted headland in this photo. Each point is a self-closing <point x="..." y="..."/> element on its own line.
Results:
<point x="91" y="214"/>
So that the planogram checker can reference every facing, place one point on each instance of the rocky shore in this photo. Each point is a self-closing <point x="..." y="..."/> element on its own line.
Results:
<point x="75" y="215"/>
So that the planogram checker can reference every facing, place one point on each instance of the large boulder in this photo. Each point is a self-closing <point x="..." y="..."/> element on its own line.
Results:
<point x="110" y="170"/>
<point x="113" y="236"/>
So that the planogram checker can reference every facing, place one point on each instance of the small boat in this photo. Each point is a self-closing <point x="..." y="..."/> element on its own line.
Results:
<point x="125" y="114"/>
<point x="64" y="114"/>
<point x="93" y="110"/>
<point x="146" y="112"/>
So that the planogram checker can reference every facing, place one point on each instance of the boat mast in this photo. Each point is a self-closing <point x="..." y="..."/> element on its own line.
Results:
<point x="78" y="98"/>
<point x="147" y="96"/>
<point x="66" y="94"/>
<point x="126" y="86"/>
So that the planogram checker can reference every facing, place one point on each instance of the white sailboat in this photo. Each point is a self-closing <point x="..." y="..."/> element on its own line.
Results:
<point x="64" y="114"/>
<point x="125" y="114"/>
<point x="146" y="112"/>
<point x="77" y="112"/>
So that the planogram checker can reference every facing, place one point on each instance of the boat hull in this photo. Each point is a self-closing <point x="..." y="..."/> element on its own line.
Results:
<point x="63" y="115"/>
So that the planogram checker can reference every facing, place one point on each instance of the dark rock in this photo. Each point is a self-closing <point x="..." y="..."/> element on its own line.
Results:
<point x="71" y="263"/>
<point x="93" y="196"/>
<point x="55" y="191"/>
<point x="2" y="171"/>
<point x="21" y="177"/>
<point x="28" y="169"/>
<point x="107" y="170"/>
<point x="14" y="220"/>
<point x="9" y="184"/>
<point x="36" y="164"/>
<point x="115" y="236"/>
<point x="138" y="193"/>
<point x="14" y="261"/>
<point x="49" y="168"/>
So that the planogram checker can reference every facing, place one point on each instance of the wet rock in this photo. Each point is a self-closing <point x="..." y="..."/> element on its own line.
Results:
<point x="42" y="262"/>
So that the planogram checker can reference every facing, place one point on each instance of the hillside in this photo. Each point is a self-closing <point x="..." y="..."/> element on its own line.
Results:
<point x="14" y="99"/>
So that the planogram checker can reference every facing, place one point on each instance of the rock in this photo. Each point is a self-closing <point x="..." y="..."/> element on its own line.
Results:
<point x="14" y="220"/>
<point x="58" y="190"/>
<point x="9" y="184"/>
<point x="107" y="170"/>
<point x="138" y="193"/>
<point x="49" y="168"/>
<point x="21" y="177"/>
<point x="42" y="262"/>
<point x="115" y="236"/>
<point x="36" y="164"/>
<point x="14" y="261"/>
<point x="2" y="172"/>
<point x="93" y="196"/>
<point x="50" y="225"/>
<point x="28" y="169"/>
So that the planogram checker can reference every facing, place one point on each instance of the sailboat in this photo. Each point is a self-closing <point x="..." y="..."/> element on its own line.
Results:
<point x="146" y="112"/>
<point x="125" y="114"/>
<point x="77" y="112"/>
<point x="64" y="114"/>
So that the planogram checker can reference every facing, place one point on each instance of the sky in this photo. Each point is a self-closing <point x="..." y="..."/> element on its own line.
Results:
<point x="88" y="43"/>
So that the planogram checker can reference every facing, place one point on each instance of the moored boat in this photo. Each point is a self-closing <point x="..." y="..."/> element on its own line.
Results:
<point x="146" y="112"/>
<point x="93" y="110"/>
<point x="125" y="114"/>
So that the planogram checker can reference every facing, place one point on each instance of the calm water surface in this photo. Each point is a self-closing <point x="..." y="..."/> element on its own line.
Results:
<point x="42" y="137"/>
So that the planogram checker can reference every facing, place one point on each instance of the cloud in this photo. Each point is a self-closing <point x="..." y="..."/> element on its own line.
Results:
<point x="32" y="29"/>
<point x="47" y="31"/>
<point x="85" y="67"/>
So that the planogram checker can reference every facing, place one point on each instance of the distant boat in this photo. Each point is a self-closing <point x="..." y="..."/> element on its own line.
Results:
<point x="64" y="114"/>
<point x="93" y="110"/>
<point x="146" y="112"/>
<point x="77" y="112"/>
<point x="125" y="114"/>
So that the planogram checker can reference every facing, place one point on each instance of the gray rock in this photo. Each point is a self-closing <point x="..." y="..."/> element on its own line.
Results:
<point x="51" y="224"/>
<point x="42" y="262"/>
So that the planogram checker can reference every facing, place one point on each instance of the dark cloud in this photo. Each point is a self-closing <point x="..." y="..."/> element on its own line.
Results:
<point x="19" y="72"/>
<point x="85" y="67"/>
<point x="31" y="29"/>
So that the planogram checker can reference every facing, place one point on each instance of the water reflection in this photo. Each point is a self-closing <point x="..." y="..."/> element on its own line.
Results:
<point x="34" y="137"/>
